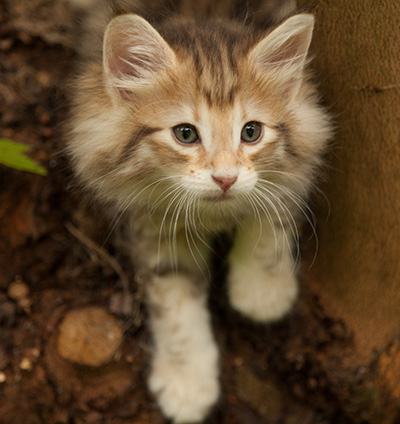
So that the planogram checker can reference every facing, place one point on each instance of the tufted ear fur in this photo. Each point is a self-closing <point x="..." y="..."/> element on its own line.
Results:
<point x="283" y="52"/>
<point x="134" y="53"/>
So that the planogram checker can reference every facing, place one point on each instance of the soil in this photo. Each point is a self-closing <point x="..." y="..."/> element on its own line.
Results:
<point x="52" y="265"/>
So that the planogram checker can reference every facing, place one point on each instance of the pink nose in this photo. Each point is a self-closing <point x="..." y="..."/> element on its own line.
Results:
<point x="225" y="182"/>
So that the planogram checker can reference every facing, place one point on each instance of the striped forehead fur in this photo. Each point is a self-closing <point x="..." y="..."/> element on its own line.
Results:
<point x="215" y="50"/>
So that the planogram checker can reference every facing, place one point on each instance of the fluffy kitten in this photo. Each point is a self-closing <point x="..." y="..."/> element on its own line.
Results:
<point x="191" y="125"/>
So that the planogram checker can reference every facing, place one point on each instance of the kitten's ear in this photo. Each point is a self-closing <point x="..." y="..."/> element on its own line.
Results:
<point x="284" y="51"/>
<point x="134" y="53"/>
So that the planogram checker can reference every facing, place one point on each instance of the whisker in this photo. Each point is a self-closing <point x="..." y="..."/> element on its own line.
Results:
<point x="298" y="201"/>
<point x="267" y="213"/>
<point x="178" y="192"/>
<point x="190" y="240"/>
<point x="196" y="208"/>
<point x="270" y="200"/>
<point x="125" y="206"/>
<point x="173" y="230"/>
<point x="303" y="182"/>
<point x="162" y="196"/>
<point x="304" y="209"/>
<point x="258" y="216"/>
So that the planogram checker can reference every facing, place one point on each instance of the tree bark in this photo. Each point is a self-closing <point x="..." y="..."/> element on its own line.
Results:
<point x="357" y="271"/>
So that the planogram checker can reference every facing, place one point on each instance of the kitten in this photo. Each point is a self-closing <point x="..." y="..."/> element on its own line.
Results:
<point x="191" y="126"/>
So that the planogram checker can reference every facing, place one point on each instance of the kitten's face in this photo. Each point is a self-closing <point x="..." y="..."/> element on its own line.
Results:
<point x="213" y="153"/>
<point x="206" y="114"/>
<point x="212" y="116"/>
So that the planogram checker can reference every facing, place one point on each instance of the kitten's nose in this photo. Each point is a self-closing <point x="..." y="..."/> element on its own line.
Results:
<point x="224" y="182"/>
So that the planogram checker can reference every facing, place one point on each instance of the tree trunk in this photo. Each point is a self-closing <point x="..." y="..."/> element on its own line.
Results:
<point x="357" y="271"/>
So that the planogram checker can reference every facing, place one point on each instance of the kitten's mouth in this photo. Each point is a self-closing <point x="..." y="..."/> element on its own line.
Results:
<point x="218" y="197"/>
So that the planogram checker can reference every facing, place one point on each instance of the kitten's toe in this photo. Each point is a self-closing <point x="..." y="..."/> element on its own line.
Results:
<point x="185" y="394"/>
<point x="265" y="297"/>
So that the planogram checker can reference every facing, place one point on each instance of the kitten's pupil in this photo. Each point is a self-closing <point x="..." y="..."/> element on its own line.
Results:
<point x="186" y="133"/>
<point x="251" y="132"/>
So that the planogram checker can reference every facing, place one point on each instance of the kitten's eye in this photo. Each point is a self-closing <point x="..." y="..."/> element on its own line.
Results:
<point x="251" y="132"/>
<point x="186" y="134"/>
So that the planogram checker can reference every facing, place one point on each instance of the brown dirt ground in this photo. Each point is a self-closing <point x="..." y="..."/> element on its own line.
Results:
<point x="280" y="374"/>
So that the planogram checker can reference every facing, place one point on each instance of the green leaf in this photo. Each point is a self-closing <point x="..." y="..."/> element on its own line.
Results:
<point x="12" y="154"/>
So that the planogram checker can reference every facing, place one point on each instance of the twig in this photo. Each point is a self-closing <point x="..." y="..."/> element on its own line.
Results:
<point x="129" y="305"/>
<point x="102" y="254"/>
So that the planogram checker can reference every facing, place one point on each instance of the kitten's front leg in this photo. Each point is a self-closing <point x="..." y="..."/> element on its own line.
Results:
<point x="184" y="374"/>
<point x="262" y="281"/>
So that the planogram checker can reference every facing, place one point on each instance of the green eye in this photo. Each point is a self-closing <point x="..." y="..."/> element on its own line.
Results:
<point x="186" y="134"/>
<point x="251" y="132"/>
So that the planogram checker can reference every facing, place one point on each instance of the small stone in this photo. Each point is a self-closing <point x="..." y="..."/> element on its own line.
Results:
<point x="25" y="304"/>
<point x="3" y="377"/>
<point x="18" y="290"/>
<point x="238" y="362"/>
<point x="44" y="78"/>
<point x="89" y="336"/>
<point x="312" y="383"/>
<point x="129" y="358"/>
<point x="35" y="352"/>
<point x="26" y="364"/>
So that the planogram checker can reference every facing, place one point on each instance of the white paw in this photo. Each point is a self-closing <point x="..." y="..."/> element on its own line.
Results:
<point x="186" y="391"/>
<point x="261" y="295"/>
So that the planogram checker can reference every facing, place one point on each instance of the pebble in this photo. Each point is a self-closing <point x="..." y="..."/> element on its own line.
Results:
<point x="18" y="290"/>
<point x="26" y="364"/>
<point x="89" y="336"/>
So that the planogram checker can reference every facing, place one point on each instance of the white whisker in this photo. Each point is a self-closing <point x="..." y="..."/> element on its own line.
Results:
<point x="190" y="240"/>
<point x="303" y="207"/>
<point x="270" y="201"/>
<point x="178" y="191"/>
<point x="290" y="221"/>
<point x="257" y="215"/>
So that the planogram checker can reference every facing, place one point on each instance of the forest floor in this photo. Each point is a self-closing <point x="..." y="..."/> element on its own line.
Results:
<point x="272" y="374"/>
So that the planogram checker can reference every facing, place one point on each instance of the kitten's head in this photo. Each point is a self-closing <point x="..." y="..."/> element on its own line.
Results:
<point x="208" y="113"/>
